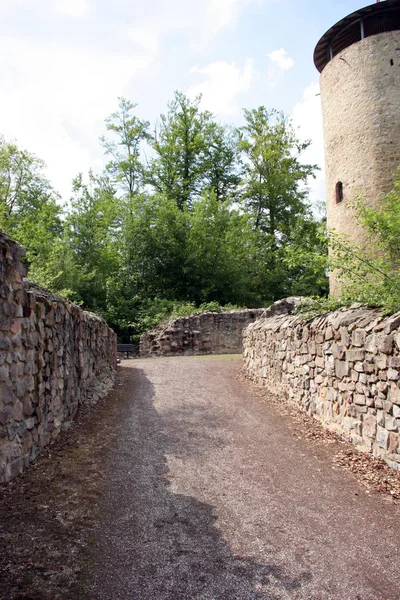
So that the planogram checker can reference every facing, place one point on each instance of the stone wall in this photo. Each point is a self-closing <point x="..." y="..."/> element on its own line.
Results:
<point x="343" y="368"/>
<point x="202" y="333"/>
<point x="207" y="332"/>
<point x="54" y="357"/>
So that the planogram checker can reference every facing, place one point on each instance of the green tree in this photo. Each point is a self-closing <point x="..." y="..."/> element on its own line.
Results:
<point x="29" y="206"/>
<point x="179" y="146"/>
<point x="155" y="231"/>
<point x="89" y="258"/>
<point x="370" y="273"/>
<point x="222" y="170"/>
<point x="274" y="183"/>
<point x="219" y="252"/>
<point x="192" y="153"/>
<point x="274" y="193"/>
<point x="124" y="147"/>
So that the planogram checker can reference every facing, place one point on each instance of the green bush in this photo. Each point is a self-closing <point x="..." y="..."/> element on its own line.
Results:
<point x="370" y="274"/>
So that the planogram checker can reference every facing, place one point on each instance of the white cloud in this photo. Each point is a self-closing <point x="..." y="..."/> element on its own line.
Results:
<point x="53" y="101"/>
<point x="217" y="16"/>
<point x="147" y="38"/>
<point x="222" y="84"/>
<point x="307" y="116"/>
<point x="73" y="8"/>
<point x="224" y="13"/>
<point x="279" y="62"/>
<point x="281" y="59"/>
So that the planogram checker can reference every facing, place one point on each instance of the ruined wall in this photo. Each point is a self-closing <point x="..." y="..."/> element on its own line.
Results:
<point x="54" y="357"/>
<point x="208" y="332"/>
<point x="343" y="368"/>
<point x="202" y="333"/>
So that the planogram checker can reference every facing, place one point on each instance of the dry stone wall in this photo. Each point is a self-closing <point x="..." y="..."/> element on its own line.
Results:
<point x="343" y="368"/>
<point x="207" y="332"/>
<point x="54" y="357"/>
<point x="202" y="333"/>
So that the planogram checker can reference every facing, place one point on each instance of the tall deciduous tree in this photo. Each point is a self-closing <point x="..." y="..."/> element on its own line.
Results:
<point x="222" y="168"/>
<point x="179" y="145"/>
<point x="29" y="206"/>
<point x="124" y="147"/>
<point x="192" y="152"/>
<point x="274" y="183"/>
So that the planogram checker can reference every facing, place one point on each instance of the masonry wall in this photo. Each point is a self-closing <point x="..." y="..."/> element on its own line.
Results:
<point x="208" y="332"/>
<point x="361" y="116"/>
<point x="54" y="357"/>
<point x="202" y="333"/>
<point x="343" y="368"/>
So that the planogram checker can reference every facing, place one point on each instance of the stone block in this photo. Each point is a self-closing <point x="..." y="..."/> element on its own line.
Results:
<point x="380" y="418"/>
<point x="382" y="438"/>
<point x="355" y="355"/>
<point x="381" y="361"/>
<point x="369" y="426"/>
<point x="393" y="375"/>
<point x="358" y="337"/>
<point x="396" y="411"/>
<point x="341" y="368"/>
<point x="384" y="343"/>
<point x="360" y="399"/>
<point x="390" y="423"/>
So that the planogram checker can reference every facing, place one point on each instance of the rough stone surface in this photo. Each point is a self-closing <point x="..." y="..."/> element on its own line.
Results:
<point x="54" y="358"/>
<point x="207" y="332"/>
<point x="352" y="388"/>
<point x="360" y="104"/>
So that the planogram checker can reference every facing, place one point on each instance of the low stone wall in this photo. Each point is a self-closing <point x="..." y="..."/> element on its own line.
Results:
<point x="54" y="357"/>
<point x="343" y="368"/>
<point x="201" y="333"/>
<point x="207" y="332"/>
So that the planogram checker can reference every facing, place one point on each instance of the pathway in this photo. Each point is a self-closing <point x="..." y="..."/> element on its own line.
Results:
<point x="211" y="496"/>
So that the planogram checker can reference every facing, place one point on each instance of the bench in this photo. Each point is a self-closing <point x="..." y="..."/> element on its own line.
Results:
<point x="128" y="348"/>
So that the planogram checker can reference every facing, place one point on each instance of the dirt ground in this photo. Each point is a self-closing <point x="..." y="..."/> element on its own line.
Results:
<point x="185" y="483"/>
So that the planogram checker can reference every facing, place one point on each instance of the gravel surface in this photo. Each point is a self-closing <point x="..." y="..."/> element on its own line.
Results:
<point x="213" y="494"/>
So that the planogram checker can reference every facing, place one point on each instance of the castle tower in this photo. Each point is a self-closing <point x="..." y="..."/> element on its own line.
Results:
<point x="359" y="62"/>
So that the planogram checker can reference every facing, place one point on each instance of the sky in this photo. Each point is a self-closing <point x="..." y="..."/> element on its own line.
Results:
<point x="64" y="63"/>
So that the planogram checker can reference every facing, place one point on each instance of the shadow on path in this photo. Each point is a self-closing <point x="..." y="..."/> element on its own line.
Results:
<point x="155" y="544"/>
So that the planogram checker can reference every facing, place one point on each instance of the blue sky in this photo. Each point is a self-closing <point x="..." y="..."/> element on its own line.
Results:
<point x="63" y="64"/>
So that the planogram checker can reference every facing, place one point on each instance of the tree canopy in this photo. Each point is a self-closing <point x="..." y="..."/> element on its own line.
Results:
<point x="188" y="212"/>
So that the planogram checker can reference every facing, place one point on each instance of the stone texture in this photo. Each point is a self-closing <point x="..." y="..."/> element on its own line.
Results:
<point x="350" y="387"/>
<point x="210" y="332"/>
<point x="54" y="358"/>
<point x="360" y="91"/>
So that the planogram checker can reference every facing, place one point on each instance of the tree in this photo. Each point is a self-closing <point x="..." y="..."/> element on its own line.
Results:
<point x="274" y="184"/>
<point x="192" y="152"/>
<point x="126" y="167"/>
<point x="274" y="193"/>
<point x="29" y="206"/>
<point x="221" y="162"/>
<point x="90" y="257"/>
<point x="370" y="273"/>
<point x="219" y="251"/>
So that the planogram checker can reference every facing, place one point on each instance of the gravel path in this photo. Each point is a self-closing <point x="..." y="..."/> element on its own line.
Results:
<point x="212" y="496"/>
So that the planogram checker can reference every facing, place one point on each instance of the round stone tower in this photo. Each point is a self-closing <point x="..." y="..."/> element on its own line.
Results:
<point x="359" y="62"/>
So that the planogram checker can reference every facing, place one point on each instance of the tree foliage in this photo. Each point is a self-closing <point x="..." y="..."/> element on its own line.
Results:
<point x="194" y="214"/>
<point x="370" y="273"/>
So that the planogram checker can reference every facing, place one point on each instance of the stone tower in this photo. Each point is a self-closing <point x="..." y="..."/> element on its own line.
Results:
<point x="359" y="62"/>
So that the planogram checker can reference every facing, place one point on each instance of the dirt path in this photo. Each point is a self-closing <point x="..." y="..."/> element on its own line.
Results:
<point x="185" y="485"/>
<point x="211" y="496"/>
